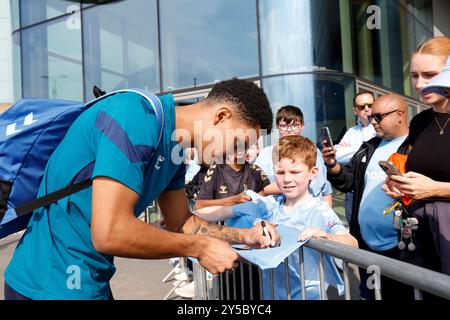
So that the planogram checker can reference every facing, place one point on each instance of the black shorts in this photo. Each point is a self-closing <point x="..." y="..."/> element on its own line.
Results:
<point x="11" y="294"/>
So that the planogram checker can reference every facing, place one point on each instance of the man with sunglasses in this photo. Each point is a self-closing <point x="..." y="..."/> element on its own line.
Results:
<point x="373" y="230"/>
<point x="361" y="132"/>
<point x="355" y="136"/>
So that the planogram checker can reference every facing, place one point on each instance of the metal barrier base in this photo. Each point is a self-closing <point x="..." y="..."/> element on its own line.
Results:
<point x="206" y="285"/>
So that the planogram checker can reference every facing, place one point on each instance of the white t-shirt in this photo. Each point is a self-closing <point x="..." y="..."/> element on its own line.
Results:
<point x="352" y="141"/>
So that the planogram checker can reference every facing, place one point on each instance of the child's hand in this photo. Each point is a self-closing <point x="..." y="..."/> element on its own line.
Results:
<point x="313" y="232"/>
<point x="241" y="198"/>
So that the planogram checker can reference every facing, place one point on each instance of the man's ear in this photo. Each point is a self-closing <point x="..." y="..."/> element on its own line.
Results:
<point x="313" y="173"/>
<point x="222" y="113"/>
<point x="354" y="111"/>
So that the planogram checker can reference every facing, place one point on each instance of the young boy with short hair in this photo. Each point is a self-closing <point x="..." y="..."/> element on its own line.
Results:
<point x="294" y="160"/>
<point x="291" y="122"/>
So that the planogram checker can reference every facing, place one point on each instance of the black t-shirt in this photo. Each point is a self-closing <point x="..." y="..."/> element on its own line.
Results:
<point x="222" y="181"/>
<point x="430" y="154"/>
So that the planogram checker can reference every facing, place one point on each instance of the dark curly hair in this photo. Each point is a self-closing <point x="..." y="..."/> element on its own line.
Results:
<point x="247" y="99"/>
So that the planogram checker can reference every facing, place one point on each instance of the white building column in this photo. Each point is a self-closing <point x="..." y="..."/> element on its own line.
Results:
<point x="441" y="17"/>
<point x="6" y="87"/>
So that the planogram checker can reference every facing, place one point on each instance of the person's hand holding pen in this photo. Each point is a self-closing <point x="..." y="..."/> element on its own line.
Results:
<point x="263" y="235"/>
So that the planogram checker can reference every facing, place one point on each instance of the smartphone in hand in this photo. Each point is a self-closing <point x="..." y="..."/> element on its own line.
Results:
<point x="389" y="168"/>
<point x="326" y="135"/>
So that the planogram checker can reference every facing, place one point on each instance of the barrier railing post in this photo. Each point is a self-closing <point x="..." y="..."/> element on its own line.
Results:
<point x="417" y="294"/>
<point x="302" y="272"/>
<point x="288" y="284"/>
<point x="250" y="275"/>
<point x="199" y="279"/>
<point x="205" y="285"/>
<point x="346" y="280"/>
<point x="378" y="294"/>
<point x="234" y="285"/>
<point x="241" y="269"/>
<point x="213" y="287"/>
<point x="261" y="289"/>
<point x="227" y="284"/>
<point x="147" y="215"/>
<point x="377" y="289"/>
<point x="323" y="293"/>
<point x="272" y="285"/>
<point x="221" y="293"/>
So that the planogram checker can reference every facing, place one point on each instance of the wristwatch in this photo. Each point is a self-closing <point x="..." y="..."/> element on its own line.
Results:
<point x="331" y="166"/>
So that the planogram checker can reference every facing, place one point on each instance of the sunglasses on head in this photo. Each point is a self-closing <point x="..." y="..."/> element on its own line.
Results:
<point x="363" y="106"/>
<point x="378" y="117"/>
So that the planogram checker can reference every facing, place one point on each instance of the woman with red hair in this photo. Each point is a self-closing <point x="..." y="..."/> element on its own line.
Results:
<point x="427" y="181"/>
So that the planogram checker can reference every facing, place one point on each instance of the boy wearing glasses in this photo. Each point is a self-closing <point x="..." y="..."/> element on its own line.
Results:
<point x="355" y="136"/>
<point x="290" y="122"/>
<point x="373" y="230"/>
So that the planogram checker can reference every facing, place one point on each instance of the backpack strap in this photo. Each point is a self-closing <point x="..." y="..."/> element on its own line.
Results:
<point x="52" y="197"/>
<point x="156" y="105"/>
<point x="74" y="188"/>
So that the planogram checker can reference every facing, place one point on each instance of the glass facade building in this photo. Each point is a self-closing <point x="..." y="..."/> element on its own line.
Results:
<point x="314" y="54"/>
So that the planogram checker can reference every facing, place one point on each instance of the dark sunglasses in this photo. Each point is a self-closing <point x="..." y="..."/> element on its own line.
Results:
<point x="362" y="107"/>
<point x="378" y="117"/>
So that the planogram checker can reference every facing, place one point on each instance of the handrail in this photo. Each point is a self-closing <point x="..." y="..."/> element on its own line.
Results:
<point x="414" y="276"/>
<point x="418" y="278"/>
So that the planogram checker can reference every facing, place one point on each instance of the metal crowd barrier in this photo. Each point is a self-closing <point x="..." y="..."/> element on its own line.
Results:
<point x="207" y="287"/>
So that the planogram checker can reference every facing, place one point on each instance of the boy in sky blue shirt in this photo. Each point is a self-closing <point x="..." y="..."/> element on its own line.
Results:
<point x="294" y="161"/>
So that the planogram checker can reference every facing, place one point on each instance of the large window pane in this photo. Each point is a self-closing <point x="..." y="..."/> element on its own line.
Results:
<point x="207" y="40"/>
<point x="15" y="20"/>
<point x="5" y="53"/>
<point x="52" y="61"/>
<point x="326" y="33"/>
<point x="33" y="11"/>
<point x="383" y="55"/>
<point x="284" y="51"/>
<point x="121" y="46"/>
<point x="300" y="35"/>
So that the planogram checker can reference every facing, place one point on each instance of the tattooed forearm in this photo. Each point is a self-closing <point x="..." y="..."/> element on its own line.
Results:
<point x="195" y="225"/>
<point x="229" y="235"/>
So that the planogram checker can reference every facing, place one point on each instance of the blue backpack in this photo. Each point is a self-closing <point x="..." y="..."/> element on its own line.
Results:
<point x="29" y="133"/>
